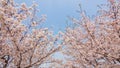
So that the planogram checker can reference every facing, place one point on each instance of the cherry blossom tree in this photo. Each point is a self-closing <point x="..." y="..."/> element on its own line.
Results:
<point x="94" y="43"/>
<point x="24" y="44"/>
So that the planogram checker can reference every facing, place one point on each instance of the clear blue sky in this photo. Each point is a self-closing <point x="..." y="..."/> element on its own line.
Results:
<point x="58" y="10"/>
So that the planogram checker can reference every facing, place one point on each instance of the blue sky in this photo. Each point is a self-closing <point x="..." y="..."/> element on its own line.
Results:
<point x="58" y="10"/>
